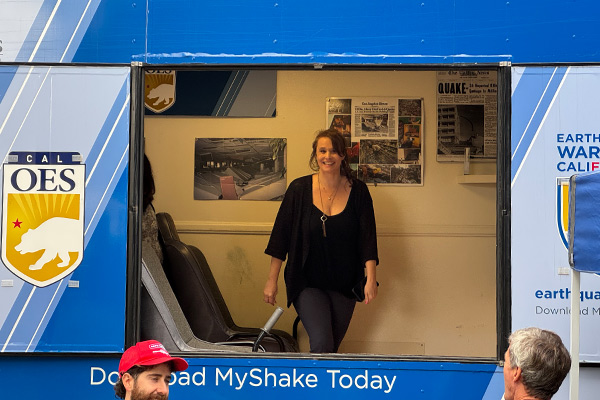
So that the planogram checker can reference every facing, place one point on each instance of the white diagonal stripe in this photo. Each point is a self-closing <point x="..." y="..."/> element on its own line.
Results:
<point x="18" y="319"/>
<point x="107" y="186"/>
<point x="112" y="130"/>
<point x="45" y="312"/>
<point x="537" y="132"/>
<point x="533" y="114"/>
<point x="75" y="30"/>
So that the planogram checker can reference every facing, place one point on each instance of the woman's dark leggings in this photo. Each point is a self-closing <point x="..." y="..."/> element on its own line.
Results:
<point x="325" y="315"/>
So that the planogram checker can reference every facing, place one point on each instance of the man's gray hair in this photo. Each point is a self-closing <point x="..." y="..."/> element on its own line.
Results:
<point x="543" y="359"/>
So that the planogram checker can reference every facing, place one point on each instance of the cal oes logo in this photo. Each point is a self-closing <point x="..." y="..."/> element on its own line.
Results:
<point x="159" y="92"/>
<point x="562" y="209"/>
<point x="42" y="215"/>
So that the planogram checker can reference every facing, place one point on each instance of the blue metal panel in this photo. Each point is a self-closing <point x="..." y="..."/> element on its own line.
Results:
<point x="85" y="111"/>
<point x="99" y="312"/>
<point x="312" y="31"/>
<point x="71" y="31"/>
<point x="531" y="100"/>
<point x="381" y="31"/>
<point x="116" y="33"/>
<point x="555" y="134"/>
<point x="93" y="378"/>
<point x="223" y="378"/>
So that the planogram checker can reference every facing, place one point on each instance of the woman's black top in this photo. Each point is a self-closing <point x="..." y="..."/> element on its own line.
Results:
<point x="290" y="237"/>
<point x="333" y="261"/>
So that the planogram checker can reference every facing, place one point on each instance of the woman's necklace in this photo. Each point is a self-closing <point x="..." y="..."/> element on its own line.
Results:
<point x="330" y="198"/>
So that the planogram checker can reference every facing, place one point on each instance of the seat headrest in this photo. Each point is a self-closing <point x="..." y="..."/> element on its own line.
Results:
<point x="166" y="227"/>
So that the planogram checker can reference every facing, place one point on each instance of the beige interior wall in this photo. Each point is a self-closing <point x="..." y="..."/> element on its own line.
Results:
<point x="436" y="242"/>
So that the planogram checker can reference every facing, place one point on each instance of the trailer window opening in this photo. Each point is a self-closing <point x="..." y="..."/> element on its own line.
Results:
<point x="437" y="239"/>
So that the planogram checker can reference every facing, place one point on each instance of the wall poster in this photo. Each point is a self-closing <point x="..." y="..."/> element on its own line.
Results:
<point x="467" y="114"/>
<point x="240" y="168"/>
<point x="384" y="137"/>
<point x="555" y="133"/>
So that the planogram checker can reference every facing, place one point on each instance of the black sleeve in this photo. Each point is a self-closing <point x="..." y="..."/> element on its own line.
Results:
<point x="368" y="229"/>
<point x="279" y="242"/>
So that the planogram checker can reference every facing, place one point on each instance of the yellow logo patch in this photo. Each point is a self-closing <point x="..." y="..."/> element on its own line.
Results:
<point x="42" y="220"/>
<point x="159" y="91"/>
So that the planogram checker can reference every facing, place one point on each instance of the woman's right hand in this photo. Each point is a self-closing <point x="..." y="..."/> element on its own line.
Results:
<point x="270" y="292"/>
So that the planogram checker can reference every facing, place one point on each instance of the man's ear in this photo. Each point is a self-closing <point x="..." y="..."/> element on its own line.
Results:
<point x="128" y="381"/>
<point x="517" y="374"/>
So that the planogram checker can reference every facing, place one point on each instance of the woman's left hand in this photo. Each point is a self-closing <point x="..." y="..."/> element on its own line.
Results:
<point x="370" y="291"/>
<point x="371" y="285"/>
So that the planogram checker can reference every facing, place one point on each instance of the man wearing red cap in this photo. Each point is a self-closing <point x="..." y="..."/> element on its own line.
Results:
<point x="145" y="372"/>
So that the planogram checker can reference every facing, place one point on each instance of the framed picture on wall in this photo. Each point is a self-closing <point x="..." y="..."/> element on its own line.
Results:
<point x="384" y="137"/>
<point x="240" y="168"/>
<point x="467" y="115"/>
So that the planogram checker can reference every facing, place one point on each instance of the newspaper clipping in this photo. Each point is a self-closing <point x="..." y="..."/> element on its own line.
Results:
<point x="374" y="118"/>
<point x="467" y="114"/>
<point x="383" y="137"/>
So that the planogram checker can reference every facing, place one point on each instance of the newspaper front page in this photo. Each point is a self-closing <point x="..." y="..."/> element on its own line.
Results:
<point x="467" y="114"/>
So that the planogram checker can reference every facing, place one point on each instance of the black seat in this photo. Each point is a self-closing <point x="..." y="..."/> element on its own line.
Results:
<point x="166" y="227"/>
<point x="161" y="317"/>
<point x="200" y="298"/>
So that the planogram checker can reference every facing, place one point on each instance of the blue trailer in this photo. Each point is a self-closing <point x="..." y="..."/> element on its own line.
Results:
<point x="71" y="139"/>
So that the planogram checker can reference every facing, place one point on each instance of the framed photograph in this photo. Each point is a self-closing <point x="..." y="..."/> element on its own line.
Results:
<point x="384" y="137"/>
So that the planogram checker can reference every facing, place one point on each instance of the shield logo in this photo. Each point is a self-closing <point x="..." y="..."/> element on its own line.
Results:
<point x="42" y="215"/>
<point x="562" y="209"/>
<point x="159" y="91"/>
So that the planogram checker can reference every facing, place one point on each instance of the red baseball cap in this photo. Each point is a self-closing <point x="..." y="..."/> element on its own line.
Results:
<point x="149" y="352"/>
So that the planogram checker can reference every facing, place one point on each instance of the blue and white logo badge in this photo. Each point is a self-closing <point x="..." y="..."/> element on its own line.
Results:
<point x="562" y="209"/>
<point x="42" y="217"/>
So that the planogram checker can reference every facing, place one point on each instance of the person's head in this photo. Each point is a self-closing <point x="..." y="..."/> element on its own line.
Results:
<point x="148" y="185"/>
<point x="145" y="372"/>
<point x="330" y="140"/>
<point x="536" y="361"/>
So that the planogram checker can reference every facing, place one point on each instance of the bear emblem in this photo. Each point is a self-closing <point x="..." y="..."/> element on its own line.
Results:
<point x="56" y="236"/>
<point x="164" y="93"/>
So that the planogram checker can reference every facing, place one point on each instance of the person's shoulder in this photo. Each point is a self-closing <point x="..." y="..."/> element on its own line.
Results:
<point x="301" y="182"/>
<point x="359" y="185"/>
<point x="361" y="191"/>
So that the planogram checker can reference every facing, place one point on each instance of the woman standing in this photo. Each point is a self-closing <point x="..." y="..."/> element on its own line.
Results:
<point x="326" y="228"/>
